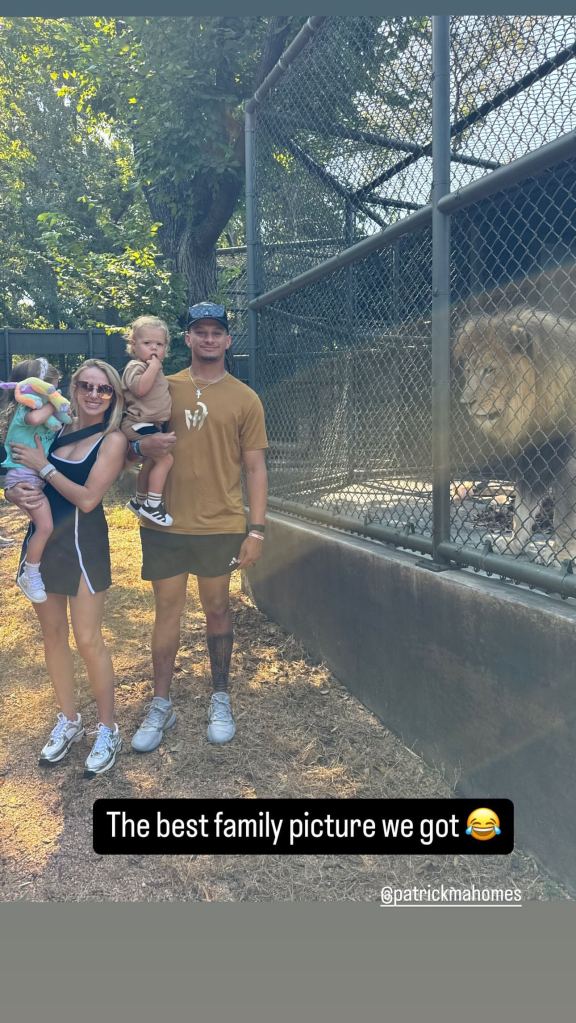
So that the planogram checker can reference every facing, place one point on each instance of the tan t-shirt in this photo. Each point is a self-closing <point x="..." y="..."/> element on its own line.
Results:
<point x="153" y="407"/>
<point x="203" y="492"/>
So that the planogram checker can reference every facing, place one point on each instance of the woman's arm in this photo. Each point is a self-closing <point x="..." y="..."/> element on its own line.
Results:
<point x="25" y="496"/>
<point x="106" y="469"/>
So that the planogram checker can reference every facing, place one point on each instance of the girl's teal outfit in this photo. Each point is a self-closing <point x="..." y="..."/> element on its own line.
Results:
<point x="21" y="432"/>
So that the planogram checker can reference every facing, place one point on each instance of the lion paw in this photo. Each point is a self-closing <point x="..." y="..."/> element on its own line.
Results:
<point x="507" y="545"/>
<point x="514" y="548"/>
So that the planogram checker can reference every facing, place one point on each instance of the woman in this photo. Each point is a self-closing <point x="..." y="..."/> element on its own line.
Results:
<point x="83" y="462"/>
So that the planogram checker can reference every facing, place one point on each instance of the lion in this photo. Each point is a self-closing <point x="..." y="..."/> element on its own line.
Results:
<point x="519" y="389"/>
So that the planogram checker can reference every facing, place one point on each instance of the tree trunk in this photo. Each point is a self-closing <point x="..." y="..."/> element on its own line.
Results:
<point x="198" y="268"/>
<point x="194" y="213"/>
<point x="188" y="237"/>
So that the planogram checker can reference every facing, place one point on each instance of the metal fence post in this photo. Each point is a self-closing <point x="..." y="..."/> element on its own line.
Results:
<point x="440" y="284"/>
<point x="350" y="381"/>
<point x="251" y="243"/>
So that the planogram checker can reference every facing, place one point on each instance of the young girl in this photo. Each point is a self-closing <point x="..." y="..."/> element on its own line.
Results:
<point x="24" y="424"/>
<point x="147" y="408"/>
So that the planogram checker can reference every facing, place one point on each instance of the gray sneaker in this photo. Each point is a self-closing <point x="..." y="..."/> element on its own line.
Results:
<point x="160" y="716"/>
<point x="30" y="582"/>
<point x="102" y="756"/>
<point x="62" y="736"/>
<point x="221" y="725"/>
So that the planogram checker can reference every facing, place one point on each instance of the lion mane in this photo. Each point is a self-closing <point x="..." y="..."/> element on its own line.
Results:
<point x="518" y="386"/>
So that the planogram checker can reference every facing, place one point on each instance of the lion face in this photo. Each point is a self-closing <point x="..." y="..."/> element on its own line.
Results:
<point x="518" y="384"/>
<point x="498" y="388"/>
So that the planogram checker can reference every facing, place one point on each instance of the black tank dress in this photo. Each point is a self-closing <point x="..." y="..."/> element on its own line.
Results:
<point x="79" y="544"/>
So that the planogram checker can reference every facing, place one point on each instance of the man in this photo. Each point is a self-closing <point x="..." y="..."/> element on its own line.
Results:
<point x="217" y="429"/>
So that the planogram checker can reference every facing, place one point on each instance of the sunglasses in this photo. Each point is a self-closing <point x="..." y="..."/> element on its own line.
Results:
<point x="104" y="391"/>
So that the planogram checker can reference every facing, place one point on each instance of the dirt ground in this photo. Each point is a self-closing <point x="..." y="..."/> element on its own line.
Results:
<point x="300" y="734"/>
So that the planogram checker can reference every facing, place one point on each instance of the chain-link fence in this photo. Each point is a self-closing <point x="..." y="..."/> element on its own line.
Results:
<point x="375" y="242"/>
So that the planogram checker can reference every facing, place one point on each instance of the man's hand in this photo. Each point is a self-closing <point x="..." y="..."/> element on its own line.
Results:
<point x="25" y="496"/>
<point x="250" y="552"/>
<point x="154" y="445"/>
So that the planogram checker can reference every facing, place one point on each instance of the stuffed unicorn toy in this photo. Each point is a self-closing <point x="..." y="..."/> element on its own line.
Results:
<point x="34" y="393"/>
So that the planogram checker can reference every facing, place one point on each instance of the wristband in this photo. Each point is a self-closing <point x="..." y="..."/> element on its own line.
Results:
<point x="47" y="471"/>
<point x="135" y="445"/>
<point x="258" y="526"/>
<point x="257" y="536"/>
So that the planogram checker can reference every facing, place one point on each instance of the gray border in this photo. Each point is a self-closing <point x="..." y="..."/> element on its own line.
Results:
<point x="85" y="961"/>
<point x="340" y="962"/>
<point x="181" y="8"/>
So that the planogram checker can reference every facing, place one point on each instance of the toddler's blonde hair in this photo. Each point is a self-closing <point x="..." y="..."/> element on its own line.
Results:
<point x="145" y="321"/>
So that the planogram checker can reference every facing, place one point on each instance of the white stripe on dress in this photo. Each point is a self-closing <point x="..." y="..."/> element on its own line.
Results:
<point x="79" y="553"/>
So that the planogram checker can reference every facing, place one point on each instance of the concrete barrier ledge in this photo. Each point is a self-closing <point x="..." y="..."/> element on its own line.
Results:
<point x="475" y="674"/>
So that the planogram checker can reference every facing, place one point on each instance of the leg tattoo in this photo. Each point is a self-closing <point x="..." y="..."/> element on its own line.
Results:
<point x="220" y="650"/>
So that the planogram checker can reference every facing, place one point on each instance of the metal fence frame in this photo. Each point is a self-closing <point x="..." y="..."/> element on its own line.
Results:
<point x="437" y="214"/>
<point x="92" y="343"/>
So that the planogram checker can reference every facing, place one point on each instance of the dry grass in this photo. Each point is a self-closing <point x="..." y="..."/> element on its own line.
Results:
<point x="300" y="734"/>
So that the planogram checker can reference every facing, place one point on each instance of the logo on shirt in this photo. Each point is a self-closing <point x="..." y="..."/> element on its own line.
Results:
<point x="195" y="420"/>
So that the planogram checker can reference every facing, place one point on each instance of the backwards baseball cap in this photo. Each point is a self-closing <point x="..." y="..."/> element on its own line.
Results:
<point x="207" y="311"/>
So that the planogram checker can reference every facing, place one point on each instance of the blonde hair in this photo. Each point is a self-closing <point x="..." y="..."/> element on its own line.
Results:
<point x="145" y="321"/>
<point x="116" y="407"/>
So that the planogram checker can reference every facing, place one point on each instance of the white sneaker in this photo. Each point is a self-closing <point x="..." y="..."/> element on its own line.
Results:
<point x="64" y="733"/>
<point x="30" y="582"/>
<point x="221" y="725"/>
<point x="160" y="716"/>
<point x="102" y="756"/>
<point x="156" y="513"/>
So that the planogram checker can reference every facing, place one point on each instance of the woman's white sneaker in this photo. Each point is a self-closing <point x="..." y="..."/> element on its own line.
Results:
<point x="102" y="756"/>
<point x="64" y="733"/>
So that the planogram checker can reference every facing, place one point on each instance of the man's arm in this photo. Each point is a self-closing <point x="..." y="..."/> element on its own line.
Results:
<point x="152" y="445"/>
<point x="254" y="463"/>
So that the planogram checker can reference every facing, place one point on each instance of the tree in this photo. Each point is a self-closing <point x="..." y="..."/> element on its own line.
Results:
<point x="122" y="160"/>
<point x="176" y="87"/>
<point x="76" y="239"/>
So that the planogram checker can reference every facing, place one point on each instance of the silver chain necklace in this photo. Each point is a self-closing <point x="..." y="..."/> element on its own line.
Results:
<point x="199" y="390"/>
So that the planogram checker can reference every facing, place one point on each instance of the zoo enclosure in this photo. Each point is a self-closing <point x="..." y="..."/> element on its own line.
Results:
<point x="402" y="176"/>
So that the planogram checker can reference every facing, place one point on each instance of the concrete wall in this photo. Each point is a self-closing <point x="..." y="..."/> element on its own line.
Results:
<point x="473" y="673"/>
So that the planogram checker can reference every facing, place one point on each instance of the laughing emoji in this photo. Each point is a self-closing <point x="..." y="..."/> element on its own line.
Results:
<point x="483" y="824"/>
